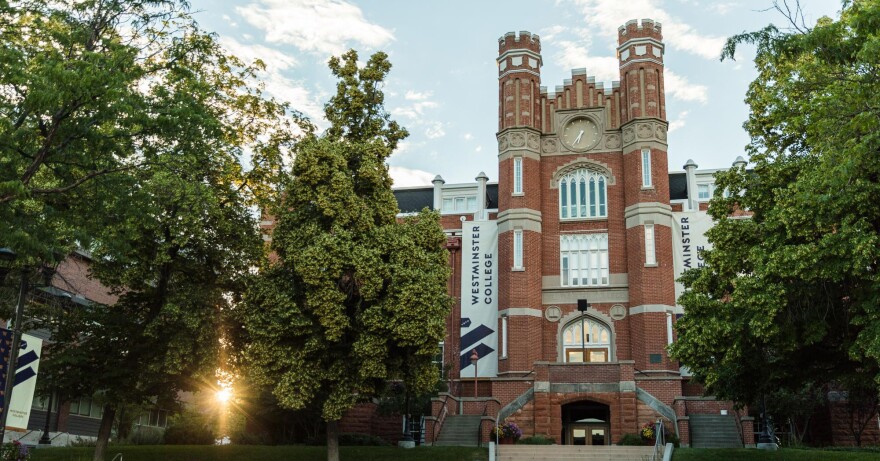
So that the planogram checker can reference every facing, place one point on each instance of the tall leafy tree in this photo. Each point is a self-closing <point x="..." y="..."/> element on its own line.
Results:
<point x="354" y="297"/>
<point x="127" y="131"/>
<point x="790" y="297"/>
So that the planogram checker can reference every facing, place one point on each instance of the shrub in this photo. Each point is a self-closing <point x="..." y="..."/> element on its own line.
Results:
<point x="673" y="439"/>
<point x="537" y="440"/>
<point x="360" y="440"/>
<point x="631" y="440"/>
<point x="14" y="451"/>
<point x="190" y="427"/>
<point x="145" y="435"/>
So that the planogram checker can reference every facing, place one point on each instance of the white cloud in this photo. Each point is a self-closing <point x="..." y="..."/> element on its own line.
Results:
<point x="273" y="59"/>
<point x="607" y="15"/>
<point x="321" y="26"/>
<point x="723" y="7"/>
<point x="415" y="111"/>
<point x="479" y="149"/>
<point x="680" y="88"/>
<point x="405" y="177"/>
<point x="678" y="122"/>
<point x="274" y="79"/>
<point x="417" y="96"/>
<point x="551" y="32"/>
<point x="575" y="55"/>
<point x="468" y="136"/>
<point x="435" y="130"/>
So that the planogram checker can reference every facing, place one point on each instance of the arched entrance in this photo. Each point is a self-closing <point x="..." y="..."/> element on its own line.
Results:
<point x="586" y="423"/>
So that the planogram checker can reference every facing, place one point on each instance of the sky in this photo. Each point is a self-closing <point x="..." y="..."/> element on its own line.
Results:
<point x="443" y="85"/>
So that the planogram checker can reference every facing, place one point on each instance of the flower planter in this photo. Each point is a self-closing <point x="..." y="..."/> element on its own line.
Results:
<point x="506" y="441"/>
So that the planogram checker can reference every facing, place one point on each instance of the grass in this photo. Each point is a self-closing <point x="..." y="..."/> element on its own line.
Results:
<point x="783" y="454"/>
<point x="262" y="453"/>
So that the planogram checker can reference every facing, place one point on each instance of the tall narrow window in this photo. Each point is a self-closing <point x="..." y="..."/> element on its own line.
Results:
<point x="504" y="337"/>
<point x="582" y="194"/>
<point x="584" y="260"/>
<point x="518" y="249"/>
<point x="517" y="175"/>
<point x="646" y="168"/>
<point x="650" y="253"/>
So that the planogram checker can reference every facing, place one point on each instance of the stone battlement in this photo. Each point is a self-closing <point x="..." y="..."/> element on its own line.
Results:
<point x="523" y="40"/>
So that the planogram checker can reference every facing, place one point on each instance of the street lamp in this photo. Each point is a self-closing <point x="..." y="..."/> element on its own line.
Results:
<point x="583" y="305"/>
<point x="474" y="358"/>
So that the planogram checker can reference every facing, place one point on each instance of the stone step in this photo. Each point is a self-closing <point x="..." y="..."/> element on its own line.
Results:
<point x="570" y="452"/>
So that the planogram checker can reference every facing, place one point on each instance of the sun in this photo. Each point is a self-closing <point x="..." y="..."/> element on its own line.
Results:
<point x="224" y="395"/>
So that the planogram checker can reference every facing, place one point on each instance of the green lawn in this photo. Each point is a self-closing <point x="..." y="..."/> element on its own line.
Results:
<point x="263" y="453"/>
<point x="783" y="454"/>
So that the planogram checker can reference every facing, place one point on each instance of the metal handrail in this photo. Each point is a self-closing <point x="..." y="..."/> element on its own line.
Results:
<point x="659" y="441"/>
<point x="480" y="427"/>
<point x="441" y="418"/>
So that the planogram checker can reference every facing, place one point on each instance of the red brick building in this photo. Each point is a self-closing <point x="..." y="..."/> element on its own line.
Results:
<point x="584" y="210"/>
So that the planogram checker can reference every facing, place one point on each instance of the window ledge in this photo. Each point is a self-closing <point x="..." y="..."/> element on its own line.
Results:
<point x="581" y="287"/>
<point x="518" y="194"/>
<point x="518" y="269"/>
<point x="651" y="265"/>
<point x="597" y="218"/>
<point x="647" y="187"/>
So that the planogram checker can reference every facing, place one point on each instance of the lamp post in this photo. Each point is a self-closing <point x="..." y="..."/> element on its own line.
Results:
<point x="474" y="358"/>
<point x="583" y="305"/>
<point x="8" y="256"/>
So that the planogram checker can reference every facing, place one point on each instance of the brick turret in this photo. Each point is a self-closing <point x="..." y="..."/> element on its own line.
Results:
<point x="519" y="194"/>
<point x="646" y="195"/>
<point x="519" y="80"/>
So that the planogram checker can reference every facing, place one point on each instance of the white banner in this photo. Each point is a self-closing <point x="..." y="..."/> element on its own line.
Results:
<point x="25" y="382"/>
<point x="689" y="241"/>
<point x="479" y="298"/>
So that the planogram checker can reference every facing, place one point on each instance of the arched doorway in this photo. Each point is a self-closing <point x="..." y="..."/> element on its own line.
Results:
<point x="586" y="423"/>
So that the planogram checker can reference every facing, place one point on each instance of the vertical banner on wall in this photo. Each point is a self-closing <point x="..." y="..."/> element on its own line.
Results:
<point x="479" y="298"/>
<point x="689" y="242"/>
<point x="25" y="377"/>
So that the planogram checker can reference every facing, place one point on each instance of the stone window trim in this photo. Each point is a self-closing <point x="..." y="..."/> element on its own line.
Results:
<point x="575" y="317"/>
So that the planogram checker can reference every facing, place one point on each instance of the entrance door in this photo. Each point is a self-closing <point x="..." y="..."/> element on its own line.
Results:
<point x="587" y="434"/>
<point x="586" y="422"/>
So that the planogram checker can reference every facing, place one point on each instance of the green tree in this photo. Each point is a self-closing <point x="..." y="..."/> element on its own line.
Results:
<point x="790" y="297"/>
<point x="355" y="297"/>
<point x="127" y="131"/>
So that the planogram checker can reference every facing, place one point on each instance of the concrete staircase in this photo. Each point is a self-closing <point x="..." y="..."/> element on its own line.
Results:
<point x="459" y="431"/>
<point x="714" y="431"/>
<point x="573" y="452"/>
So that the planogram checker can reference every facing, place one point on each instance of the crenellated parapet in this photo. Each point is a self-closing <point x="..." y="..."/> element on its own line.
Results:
<point x="581" y="91"/>
<point x="640" y="54"/>
<point x="519" y="79"/>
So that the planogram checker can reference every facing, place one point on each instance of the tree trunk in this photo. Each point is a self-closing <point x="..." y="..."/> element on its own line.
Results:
<point x="104" y="432"/>
<point x="332" y="441"/>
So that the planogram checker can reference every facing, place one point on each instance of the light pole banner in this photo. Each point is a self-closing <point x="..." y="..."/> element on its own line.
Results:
<point x="689" y="242"/>
<point x="25" y="380"/>
<point x="479" y="298"/>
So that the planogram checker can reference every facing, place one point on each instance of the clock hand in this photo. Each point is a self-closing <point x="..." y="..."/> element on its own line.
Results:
<point x="577" y="140"/>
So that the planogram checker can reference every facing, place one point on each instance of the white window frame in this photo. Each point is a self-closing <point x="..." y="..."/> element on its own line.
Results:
<point x="517" y="249"/>
<point x="504" y="336"/>
<point x="517" y="176"/>
<point x="708" y="192"/>
<point x="650" y="245"/>
<point x="646" y="169"/>
<point x="584" y="260"/>
<point x="583" y="194"/>
<point x="458" y="204"/>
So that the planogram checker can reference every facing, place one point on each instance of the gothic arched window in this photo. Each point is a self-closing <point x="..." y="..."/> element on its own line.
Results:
<point x="583" y="194"/>
<point x="586" y="337"/>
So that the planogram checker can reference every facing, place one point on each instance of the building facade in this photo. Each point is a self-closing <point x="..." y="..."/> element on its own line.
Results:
<point x="564" y="270"/>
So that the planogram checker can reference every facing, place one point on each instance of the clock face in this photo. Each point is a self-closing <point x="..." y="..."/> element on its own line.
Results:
<point x="580" y="133"/>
